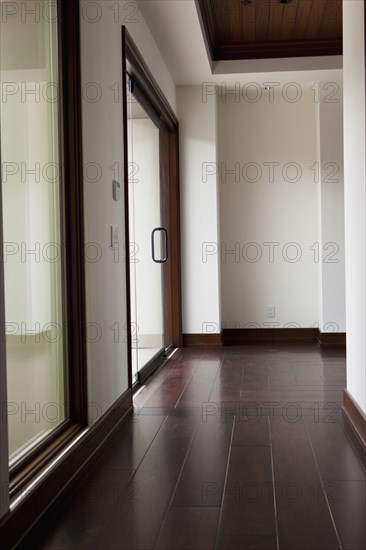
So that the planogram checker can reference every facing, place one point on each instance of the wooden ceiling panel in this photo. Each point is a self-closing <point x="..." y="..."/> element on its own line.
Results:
<point x="331" y="23"/>
<point x="262" y="22"/>
<point x="315" y="19"/>
<point x="277" y="13"/>
<point x="303" y="16"/>
<point x="235" y="17"/>
<point x="249" y="17"/>
<point x="268" y="28"/>
<point x="220" y="15"/>
<point x="291" y="16"/>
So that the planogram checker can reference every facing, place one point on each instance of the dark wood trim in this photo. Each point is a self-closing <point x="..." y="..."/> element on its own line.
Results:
<point x="238" y="337"/>
<point x="59" y="482"/>
<point x="126" y="208"/>
<point x="206" y="19"/>
<point x="72" y="227"/>
<point x="166" y="218"/>
<point x="73" y="204"/>
<point x="23" y="472"/>
<point x="194" y="340"/>
<point x="31" y="462"/>
<point x="151" y="366"/>
<point x="355" y="419"/>
<point x="332" y="338"/>
<point x="176" y="238"/>
<point x="232" y="337"/>
<point x="139" y="71"/>
<point x="170" y="208"/>
<point x="271" y="50"/>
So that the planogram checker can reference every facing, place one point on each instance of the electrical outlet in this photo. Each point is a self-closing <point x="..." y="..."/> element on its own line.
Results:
<point x="271" y="311"/>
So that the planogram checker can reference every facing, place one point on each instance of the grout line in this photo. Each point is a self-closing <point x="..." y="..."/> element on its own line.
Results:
<point x="148" y="387"/>
<point x="149" y="446"/>
<point x="322" y="484"/>
<point x="186" y="386"/>
<point x="176" y="485"/>
<point x="274" y="485"/>
<point x="199" y="361"/>
<point x="217" y="374"/>
<point x="152" y="380"/>
<point x="225" y="481"/>
<point x="201" y="358"/>
<point x="242" y="383"/>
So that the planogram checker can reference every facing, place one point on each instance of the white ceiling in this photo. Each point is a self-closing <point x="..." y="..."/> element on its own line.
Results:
<point x="177" y="32"/>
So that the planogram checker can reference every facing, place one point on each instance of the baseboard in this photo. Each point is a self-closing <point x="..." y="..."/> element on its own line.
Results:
<point x="355" y="420"/>
<point x="332" y="338"/>
<point x="242" y="336"/>
<point x="151" y="366"/>
<point x="40" y="503"/>
<point x="239" y="337"/>
<point x="199" y="340"/>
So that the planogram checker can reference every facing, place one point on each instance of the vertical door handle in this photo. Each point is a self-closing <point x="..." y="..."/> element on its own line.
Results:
<point x="164" y="231"/>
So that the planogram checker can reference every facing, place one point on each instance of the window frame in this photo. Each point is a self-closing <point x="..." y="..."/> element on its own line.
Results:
<point x="29" y="465"/>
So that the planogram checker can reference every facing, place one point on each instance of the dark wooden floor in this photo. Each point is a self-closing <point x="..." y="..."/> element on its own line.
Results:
<point x="229" y="448"/>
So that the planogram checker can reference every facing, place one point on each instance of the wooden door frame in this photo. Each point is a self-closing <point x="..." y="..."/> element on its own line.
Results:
<point x="32" y="501"/>
<point x="72" y="231"/>
<point x="134" y="64"/>
<point x="73" y="276"/>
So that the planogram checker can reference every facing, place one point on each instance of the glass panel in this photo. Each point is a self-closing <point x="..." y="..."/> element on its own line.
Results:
<point x="32" y="225"/>
<point x="145" y="216"/>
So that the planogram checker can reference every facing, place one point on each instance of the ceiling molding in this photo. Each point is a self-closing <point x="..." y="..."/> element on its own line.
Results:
<point x="285" y="48"/>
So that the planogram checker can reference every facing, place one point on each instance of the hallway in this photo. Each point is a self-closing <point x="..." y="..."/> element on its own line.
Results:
<point x="228" y="448"/>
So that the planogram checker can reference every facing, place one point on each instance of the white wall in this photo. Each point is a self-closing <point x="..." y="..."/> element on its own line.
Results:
<point x="262" y="203"/>
<point x="331" y="199"/>
<point x="354" y="178"/>
<point x="103" y="147"/>
<point x="199" y="211"/>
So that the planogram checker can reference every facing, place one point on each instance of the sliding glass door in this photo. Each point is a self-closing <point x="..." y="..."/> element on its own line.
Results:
<point x="33" y="256"/>
<point x="148" y="238"/>
<point x="43" y="332"/>
<point x="151" y="175"/>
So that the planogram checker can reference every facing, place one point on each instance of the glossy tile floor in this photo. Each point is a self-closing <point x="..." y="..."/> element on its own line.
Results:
<point x="229" y="448"/>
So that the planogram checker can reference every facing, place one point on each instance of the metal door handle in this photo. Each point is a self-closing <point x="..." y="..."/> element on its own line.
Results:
<point x="163" y="230"/>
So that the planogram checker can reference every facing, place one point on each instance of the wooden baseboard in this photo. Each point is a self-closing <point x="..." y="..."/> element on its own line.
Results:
<point x="337" y="339"/>
<point x="59" y="482"/>
<point x="355" y="419"/>
<point x="151" y="366"/>
<point x="199" y="340"/>
<point x="238" y="337"/>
